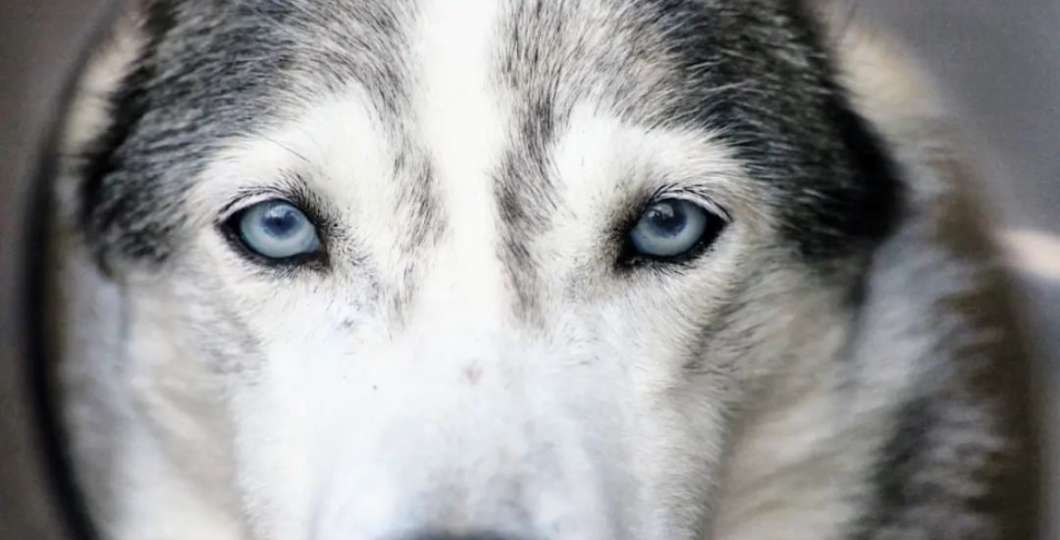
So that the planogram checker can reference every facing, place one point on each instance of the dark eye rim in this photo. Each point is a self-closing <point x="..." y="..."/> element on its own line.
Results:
<point x="230" y="230"/>
<point x="629" y="257"/>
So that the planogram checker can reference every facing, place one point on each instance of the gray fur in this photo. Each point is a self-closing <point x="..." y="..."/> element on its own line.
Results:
<point x="211" y="72"/>
<point x="882" y="262"/>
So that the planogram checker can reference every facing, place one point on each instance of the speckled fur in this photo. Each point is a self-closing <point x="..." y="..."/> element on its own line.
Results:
<point x="470" y="359"/>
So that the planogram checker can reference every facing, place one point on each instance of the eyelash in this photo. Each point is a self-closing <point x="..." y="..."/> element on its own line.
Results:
<point x="691" y="194"/>
<point x="244" y="199"/>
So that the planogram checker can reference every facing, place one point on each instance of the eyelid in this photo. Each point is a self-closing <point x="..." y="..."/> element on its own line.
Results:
<point x="692" y="194"/>
<point x="248" y="198"/>
<point x="294" y="192"/>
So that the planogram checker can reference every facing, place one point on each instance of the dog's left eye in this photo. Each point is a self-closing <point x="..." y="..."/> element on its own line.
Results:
<point x="276" y="230"/>
<point x="673" y="228"/>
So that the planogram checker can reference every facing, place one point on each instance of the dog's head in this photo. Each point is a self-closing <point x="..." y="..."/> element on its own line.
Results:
<point x="402" y="268"/>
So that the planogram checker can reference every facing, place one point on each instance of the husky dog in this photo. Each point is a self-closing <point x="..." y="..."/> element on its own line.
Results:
<point x="569" y="270"/>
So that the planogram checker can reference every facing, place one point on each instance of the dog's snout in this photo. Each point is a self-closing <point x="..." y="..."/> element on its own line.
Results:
<point x="475" y="536"/>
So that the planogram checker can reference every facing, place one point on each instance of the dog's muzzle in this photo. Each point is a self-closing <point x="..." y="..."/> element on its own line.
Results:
<point x="475" y="536"/>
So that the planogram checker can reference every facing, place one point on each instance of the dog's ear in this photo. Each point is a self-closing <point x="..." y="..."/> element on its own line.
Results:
<point x="91" y="113"/>
<point x="108" y="65"/>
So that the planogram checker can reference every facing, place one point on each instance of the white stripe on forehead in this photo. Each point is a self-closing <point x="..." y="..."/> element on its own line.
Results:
<point x="462" y="121"/>
<point x="459" y="120"/>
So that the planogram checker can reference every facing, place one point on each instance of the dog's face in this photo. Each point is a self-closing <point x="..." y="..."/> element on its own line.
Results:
<point x="408" y="268"/>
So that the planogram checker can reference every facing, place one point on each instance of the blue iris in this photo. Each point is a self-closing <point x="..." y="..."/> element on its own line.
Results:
<point x="278" y="230"/>
<point x="670" y="228"/>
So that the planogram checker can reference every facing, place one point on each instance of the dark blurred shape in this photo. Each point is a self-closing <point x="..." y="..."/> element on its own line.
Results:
<point x="40" y="43"/>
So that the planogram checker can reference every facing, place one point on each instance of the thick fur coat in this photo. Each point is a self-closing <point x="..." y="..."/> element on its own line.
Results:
<point x="471" y="353"/>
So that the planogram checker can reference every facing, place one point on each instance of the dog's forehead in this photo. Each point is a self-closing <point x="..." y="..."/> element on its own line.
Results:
<point x="215" y="71"/>
<point x="660" y="58"/>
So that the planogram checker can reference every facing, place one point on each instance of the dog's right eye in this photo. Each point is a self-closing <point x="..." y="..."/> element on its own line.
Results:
<point x="672" y="230"/>
<point x="276" y="230"/>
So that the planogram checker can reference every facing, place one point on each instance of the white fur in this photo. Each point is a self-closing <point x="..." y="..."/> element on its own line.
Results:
<point x="349" y="419"/>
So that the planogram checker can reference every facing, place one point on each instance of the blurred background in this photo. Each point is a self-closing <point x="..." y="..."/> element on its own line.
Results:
<point x="996" y="62"/>
<point x="997" y="65"/>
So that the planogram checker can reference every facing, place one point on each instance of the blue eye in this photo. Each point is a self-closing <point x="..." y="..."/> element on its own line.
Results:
<point x="277" y="230"/>
<point x="671" y="228"/>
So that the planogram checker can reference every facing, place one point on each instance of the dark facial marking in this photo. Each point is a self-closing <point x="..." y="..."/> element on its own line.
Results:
<point x="753" y="70"/>
<point x="212" y="71"/>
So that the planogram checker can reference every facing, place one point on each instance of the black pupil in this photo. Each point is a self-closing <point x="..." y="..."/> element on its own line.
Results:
<point x="666" y="219"/>
<point x="280" y="220"/>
